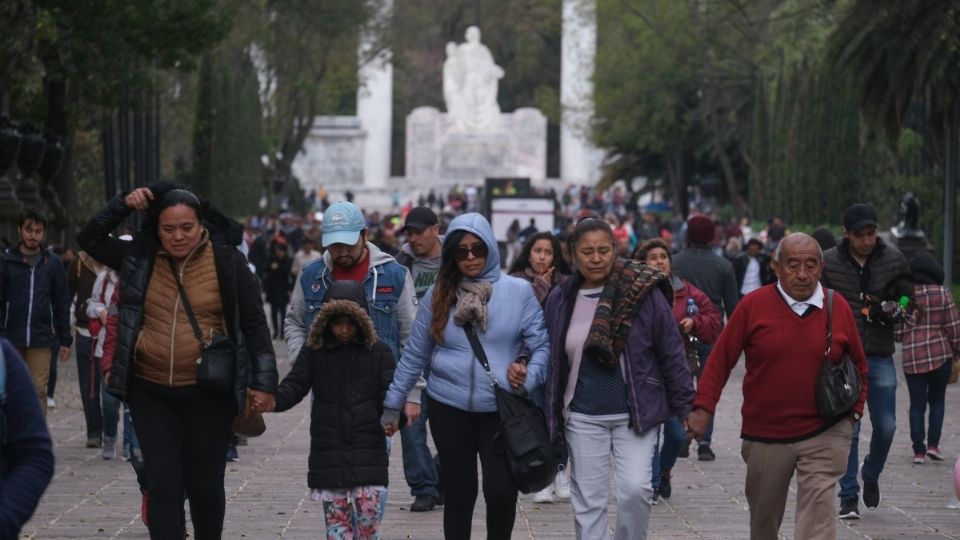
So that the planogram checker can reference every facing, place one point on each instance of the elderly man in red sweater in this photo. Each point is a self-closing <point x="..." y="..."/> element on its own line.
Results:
<point x="782" y="330"/>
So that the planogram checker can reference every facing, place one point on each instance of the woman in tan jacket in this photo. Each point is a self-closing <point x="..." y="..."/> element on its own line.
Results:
<point x="183" y="427"/>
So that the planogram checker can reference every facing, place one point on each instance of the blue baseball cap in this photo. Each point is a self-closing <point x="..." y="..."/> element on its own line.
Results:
<point x="342" y="224"/>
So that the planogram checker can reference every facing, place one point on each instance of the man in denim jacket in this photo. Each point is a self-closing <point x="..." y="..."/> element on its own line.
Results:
<point x="386" y="283"/>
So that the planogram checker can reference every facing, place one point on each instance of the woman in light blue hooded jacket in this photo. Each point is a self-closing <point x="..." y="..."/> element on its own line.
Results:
<point x="463" y="411"/>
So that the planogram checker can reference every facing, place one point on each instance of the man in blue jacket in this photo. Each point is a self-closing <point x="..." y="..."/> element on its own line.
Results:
<point x="34" y="302"/>
<point x="26" y="457"/>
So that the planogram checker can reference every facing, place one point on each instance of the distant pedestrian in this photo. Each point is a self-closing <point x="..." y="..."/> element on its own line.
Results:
<point x="699" y="321"/>
<point x="862" y="267"/>
<point x="714" y="275"/>
<point x="346" y="363"/>
<point x="81" y="277"/>
<point x="277" y="282"/>
<point x="34" y="301"/>
<point x="931" y="341"/>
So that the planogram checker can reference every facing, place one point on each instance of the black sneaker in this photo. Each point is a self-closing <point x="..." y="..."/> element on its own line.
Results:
<point x="871" y="494"/>
<point x="704" y="453"/>
<point x="685" y="449"/>
<point x="423" y="503"/>
<point x="849" y="509"/>
<point x="665" y="488"/>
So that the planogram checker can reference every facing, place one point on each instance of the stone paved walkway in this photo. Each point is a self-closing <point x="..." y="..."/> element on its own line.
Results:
<point x="267" y="498"/>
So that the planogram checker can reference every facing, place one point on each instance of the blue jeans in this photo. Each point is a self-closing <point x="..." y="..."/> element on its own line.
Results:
<point x="111" y="415"/>
<point x="674" y="436"/>
<point x="703" y="351"/>
<point x="419" y="467"/>
<point x="882" y="405"/>
<point x="926" y="388"/>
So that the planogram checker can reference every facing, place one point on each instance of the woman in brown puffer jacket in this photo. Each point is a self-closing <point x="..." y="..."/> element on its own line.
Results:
<point x="183" y="428"/>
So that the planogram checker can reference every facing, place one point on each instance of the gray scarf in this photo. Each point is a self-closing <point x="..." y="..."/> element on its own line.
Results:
<point x="472" y="297"/>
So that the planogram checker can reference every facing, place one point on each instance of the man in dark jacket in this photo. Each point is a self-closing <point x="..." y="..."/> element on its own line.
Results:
<point x="752" y="268"/>
<point x="35" y="302"/>
<point x="26" y="458"/>
<point x="713" y="275"/>
<point x="866" y="272"/>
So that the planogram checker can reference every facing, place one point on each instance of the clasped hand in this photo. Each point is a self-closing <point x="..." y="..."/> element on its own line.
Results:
<point x="261" y="401"/>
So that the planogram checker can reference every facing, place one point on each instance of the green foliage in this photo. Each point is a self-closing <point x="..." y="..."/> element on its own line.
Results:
<point x="228" y="141"/>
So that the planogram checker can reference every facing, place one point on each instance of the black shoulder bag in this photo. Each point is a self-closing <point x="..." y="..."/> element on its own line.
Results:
<point x="523" y="430"/>
<point x="217" y="356"/>
<point x="838" y="385"/>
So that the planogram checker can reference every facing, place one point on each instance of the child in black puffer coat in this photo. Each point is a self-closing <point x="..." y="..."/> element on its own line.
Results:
<point x="349" y="370"/>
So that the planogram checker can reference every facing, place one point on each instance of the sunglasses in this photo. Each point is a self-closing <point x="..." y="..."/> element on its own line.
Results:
<point x="462" y="252"/>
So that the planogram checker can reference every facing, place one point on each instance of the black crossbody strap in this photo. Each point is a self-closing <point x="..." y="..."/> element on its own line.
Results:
<point x="826" y="352"/>
<point x="479" y="352"/>
<point x="186" y="303"/>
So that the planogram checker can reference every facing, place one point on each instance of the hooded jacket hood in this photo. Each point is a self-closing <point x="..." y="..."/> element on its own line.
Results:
<point x="341" y="306"/>
<point x="478" y="226"/>
<point x="926" y="270"/>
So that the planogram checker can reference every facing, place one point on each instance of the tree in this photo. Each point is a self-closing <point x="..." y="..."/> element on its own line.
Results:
<point x="69" y="62"/>
<point x="899" y="52"/>
<point x="228" y="139"/>
<point x="306" y="54"/>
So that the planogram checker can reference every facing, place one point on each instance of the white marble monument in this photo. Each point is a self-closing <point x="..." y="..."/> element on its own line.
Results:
<point x="473" y="140"/>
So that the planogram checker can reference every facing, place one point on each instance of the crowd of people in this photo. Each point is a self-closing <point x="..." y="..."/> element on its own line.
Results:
<point x="623" y="329"/>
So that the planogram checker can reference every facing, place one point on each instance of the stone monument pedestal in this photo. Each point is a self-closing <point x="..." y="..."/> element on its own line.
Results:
<point x="440" y="155"/>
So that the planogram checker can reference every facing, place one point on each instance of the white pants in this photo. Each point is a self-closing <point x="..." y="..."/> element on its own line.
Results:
<point x="592" y="440"/>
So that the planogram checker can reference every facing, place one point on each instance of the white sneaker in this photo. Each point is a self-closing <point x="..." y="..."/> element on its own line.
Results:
<point x="51" y="404"/>
<point x="545" y="495"/>
<point x="562" y="484"/>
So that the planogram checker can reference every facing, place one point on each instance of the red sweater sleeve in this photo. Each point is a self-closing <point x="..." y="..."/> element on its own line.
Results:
<point x="726" y="352"/>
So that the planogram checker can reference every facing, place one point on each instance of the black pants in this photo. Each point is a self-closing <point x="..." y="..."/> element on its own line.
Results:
<point x="460" y="436"/>
<point x="183" y="434"/>
<point x="277" y="313"/>
<point x="88" y="375"/>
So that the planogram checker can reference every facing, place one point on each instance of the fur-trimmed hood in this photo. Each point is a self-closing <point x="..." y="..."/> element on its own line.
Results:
<point x="334" y="307"/>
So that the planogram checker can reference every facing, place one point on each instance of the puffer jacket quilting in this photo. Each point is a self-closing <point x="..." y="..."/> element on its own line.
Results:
<point x="842" y="273"/>
<point x="349" y="382"/>
<point x="240" y="296"/>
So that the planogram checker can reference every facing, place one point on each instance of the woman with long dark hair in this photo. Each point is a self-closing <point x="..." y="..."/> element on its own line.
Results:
<point x="183" y="428"/>
<point x="540" y="262"/>
<point x="471" y="291"/>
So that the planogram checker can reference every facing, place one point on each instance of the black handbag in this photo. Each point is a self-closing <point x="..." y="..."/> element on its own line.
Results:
<point x="530" y="455"/>
<point x="218" y="356"/>
<point x="838" y="385"/>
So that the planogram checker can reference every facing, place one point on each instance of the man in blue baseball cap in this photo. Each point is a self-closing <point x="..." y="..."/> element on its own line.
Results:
<point x="387" y="286"/>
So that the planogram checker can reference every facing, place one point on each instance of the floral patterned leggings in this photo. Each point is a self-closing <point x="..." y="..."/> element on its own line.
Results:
<point x="351" y="514"/>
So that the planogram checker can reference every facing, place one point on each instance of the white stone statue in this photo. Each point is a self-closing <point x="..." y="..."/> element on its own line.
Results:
<point x="470" y="84"/>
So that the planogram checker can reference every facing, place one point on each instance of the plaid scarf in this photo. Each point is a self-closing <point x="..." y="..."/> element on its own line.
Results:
<point x="629" y="284"/>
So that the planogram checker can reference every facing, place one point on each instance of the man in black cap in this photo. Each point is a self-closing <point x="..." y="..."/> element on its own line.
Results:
<point x="421" y="255"/>
<point x="864" y="269"/>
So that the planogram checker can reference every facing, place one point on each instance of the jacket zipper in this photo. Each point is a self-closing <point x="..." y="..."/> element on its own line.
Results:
<point x="173" y="328"/>
<point x="631" y="389"/>
<point x="33" y="273"/>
